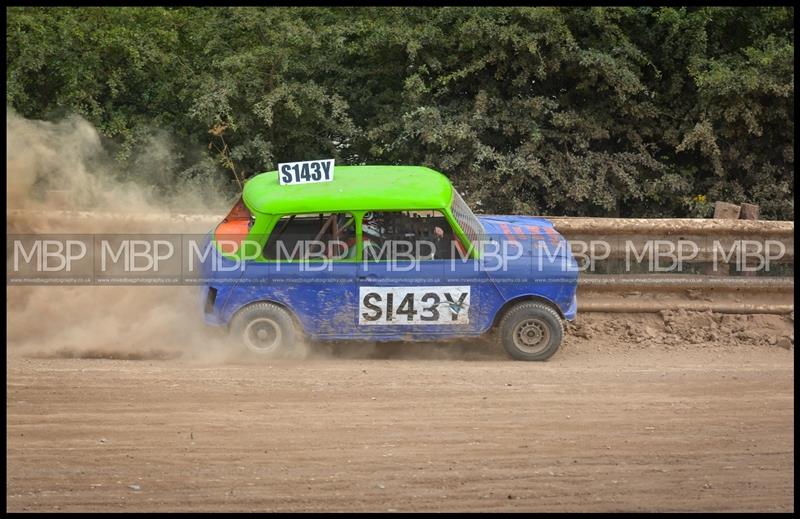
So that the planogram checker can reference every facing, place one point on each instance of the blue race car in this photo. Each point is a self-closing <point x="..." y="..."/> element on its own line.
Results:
<point x="383" y="253"/>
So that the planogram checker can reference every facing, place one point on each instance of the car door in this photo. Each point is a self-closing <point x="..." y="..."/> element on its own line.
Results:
<point x="421" y="288"/>
<point x="318" y="286"/>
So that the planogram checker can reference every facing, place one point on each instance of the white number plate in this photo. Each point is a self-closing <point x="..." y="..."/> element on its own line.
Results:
<point x="307" y="172"/>
<point x="413" y="305"/>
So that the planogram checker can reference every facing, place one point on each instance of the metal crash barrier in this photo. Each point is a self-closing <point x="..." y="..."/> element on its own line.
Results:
<point x="713" y="278"/>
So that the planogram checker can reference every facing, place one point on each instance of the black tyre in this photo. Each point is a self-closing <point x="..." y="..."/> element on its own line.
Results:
<point x="264" y="329"/>
<point x="531" y="331"/>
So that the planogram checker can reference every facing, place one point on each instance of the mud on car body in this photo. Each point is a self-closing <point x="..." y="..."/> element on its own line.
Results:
<point x="384" y="253"/>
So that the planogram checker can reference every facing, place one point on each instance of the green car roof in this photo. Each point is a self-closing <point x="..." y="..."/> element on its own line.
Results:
<point x="353" y="188"/>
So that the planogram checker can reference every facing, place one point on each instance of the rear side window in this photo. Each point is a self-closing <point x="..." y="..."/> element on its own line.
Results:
<point x="312" y="236"/>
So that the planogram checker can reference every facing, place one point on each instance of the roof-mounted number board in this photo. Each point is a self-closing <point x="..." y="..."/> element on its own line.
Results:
<point x="291" y="173"/>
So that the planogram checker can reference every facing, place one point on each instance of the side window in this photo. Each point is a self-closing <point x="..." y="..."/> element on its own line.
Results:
<point x="402" y="235"/>
<point x="312" y="236"/>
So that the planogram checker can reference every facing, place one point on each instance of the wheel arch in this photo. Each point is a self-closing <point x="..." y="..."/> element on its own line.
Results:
<point x="298" y="324"/>
<point x="511" y="303"/>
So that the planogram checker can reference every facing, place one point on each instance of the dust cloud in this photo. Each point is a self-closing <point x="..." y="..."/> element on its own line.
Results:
<point x="63" y="165"/>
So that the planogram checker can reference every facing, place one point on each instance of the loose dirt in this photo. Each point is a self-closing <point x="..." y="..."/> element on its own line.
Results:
<point x="612" y="422"/>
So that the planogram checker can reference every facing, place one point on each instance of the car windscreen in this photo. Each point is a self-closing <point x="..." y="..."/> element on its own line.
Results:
<point x="468" y="222"/>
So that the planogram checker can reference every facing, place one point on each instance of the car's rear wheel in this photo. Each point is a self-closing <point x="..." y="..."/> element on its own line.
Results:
<point x="531" y="331"/>
<point x="264" y="329"/>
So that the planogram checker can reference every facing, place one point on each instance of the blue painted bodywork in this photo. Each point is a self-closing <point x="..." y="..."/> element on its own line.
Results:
<point x="325" y="303"/>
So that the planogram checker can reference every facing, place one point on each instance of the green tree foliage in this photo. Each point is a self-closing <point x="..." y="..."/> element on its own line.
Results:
<point x="580" y="111"/>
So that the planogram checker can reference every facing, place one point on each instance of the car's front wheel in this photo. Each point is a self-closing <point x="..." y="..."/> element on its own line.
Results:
<point x="531" y="331"/>
<point x="264" y="329"/>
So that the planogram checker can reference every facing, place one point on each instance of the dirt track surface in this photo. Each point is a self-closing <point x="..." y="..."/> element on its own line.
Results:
<point x="590" y="430"/>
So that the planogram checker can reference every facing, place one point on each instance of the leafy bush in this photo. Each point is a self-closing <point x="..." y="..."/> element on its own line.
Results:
<point x="580" y="111"/>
